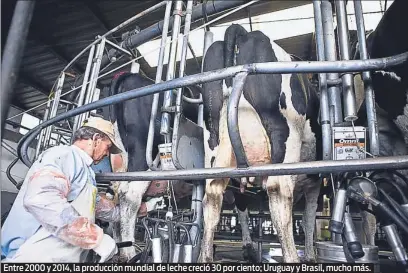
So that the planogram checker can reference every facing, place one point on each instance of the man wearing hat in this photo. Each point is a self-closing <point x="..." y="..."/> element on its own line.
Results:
<point x="53" y="216"/>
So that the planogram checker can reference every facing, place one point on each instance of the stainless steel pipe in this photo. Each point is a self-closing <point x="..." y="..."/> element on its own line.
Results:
<point x="330" y="55"/>
<point x="159" y="72"/>
<point x="171" y="67"/>
<point x="232" y="119"/>
<point x="369" y="93"/>
<point x="313" y="167"/>
<point x="349" y="97"/>
<point x="324" y="99"/>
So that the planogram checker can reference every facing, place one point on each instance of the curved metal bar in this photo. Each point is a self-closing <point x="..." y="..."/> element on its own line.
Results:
<point x="266" y="68"/>
<point x="312" y="167"/>
<point x="122" y="25"/>
<point x="232" y="121"/>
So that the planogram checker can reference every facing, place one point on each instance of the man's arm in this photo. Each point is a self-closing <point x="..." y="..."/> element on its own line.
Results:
<point x="46" y="200"/>
<point x="106" y="210"/>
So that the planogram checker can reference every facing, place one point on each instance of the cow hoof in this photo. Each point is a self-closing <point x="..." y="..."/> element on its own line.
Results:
<point x="249" y="253"/>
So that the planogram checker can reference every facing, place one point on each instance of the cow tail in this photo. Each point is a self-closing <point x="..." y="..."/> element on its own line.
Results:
<point x="230" y="41"/>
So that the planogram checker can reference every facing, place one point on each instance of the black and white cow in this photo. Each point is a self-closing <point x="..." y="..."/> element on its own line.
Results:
<point x="277" y="117"/>
<point x="391" y="85"/>
<point x="131" y="119"/>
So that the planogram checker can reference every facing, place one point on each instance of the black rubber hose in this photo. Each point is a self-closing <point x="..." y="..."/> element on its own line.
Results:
<point x="394" y="205"/>
<point x="383" y="208"/>
<point x="404" y="198"/>
<point x="8" y="173"/>
<point x="403" y="178"/>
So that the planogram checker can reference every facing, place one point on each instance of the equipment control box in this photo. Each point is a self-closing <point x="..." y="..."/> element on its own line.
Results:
<point x="346" y="141"/>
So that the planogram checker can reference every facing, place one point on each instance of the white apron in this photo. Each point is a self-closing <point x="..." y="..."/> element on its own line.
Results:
<point x="42" y="248"/>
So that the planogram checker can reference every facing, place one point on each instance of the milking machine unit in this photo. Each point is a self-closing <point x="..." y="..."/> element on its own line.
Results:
<point x="349" y="142"/>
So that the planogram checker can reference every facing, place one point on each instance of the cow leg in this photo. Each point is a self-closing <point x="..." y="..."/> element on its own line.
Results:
<point x="130" y="198"/>
<point x="280" y="193"/>
<point x="249" y="252"/>
<point x="309" y="219"/>
<point x="212" y="204"/>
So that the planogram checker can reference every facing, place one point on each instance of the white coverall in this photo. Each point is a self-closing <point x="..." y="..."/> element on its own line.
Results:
<point x="53" y="216"/>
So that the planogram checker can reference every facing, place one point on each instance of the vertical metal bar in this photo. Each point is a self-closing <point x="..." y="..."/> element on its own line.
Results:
<point x="54" y="109"/>
<point x="369" y="93"/>
<point x="78" y="119"/>
<point x="198" y="186"/>
<point x="159" y="72"/>
<point x="187" y="24"/>
<point x="168" y="95"/>
<point x="94" y="75"/>
<point x="42" y="133"/>
<point x="13" y="53"/>
<point x="349" y="97"/>
<point x="324" y="100"/>
<point x="330" y="54"/>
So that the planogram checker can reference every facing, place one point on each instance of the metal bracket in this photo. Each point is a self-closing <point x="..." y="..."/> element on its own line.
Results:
<point x="170" y="109"/>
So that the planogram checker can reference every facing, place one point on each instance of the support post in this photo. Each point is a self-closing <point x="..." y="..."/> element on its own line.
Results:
<point x="171" y="66"/>
<point x="155" y="104"/>
<point x="349" y="97"/>
<point x="330" y="54"/>
<point x="324" y="100"/>
<point x="13" y="53"/>
<point x="369" y="93"/>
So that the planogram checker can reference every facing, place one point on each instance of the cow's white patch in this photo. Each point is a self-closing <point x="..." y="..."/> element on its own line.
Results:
<point x="391" y="74"/>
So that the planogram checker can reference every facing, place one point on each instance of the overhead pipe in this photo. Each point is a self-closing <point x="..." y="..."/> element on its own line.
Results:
<point x="211" y="7"/>
<point x="368" y="88"/>
<point x="159" y="72"/>
<point x="13" y="53"/>
<point x="262" y="68"/>
<point x="324" y="99"/>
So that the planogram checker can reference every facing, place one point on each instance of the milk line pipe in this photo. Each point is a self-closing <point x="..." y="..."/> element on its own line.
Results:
<point x="149" y="33"/>
<point x="263" y="68"/>
<point x="171" y="68"/>
<point x="330" y="55"/>
<point x="159" y="72"/>
<point x="349" y="97"/>
<point x="324" y="100"/>
<point x="312" y="167"/>
<point x="369" y="93"/>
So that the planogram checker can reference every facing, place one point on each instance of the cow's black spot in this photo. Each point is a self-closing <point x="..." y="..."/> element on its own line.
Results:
<point x="282" y="101"/>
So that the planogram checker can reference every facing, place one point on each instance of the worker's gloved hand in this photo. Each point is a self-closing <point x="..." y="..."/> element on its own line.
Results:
<point x="155" y="203"/>
<point x="106" y="249"/>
